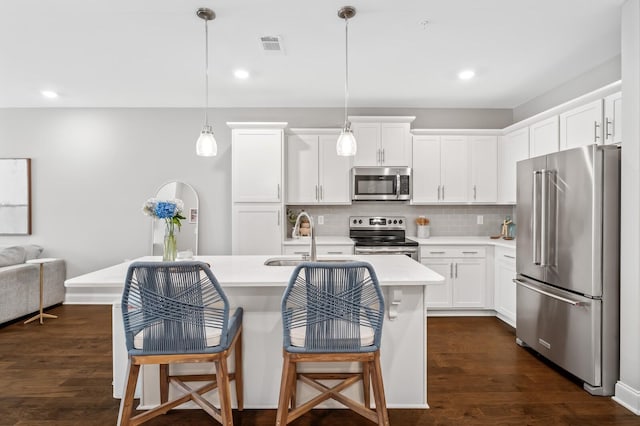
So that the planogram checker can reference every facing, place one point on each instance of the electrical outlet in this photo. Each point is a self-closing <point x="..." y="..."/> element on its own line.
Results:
<point x="320" y="220"/>
<point x="480" y="220"/>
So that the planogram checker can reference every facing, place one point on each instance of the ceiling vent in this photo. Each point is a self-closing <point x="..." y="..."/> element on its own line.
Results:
<point x="272" y="45"/>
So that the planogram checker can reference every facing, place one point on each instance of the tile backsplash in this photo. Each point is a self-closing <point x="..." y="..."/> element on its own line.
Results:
<point x="445" y="220"/>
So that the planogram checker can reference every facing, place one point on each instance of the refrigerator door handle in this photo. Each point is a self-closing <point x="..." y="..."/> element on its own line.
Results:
<point x="546" y="293"/>
<point x="535" y="219"/>
<point x="544" y="213"/>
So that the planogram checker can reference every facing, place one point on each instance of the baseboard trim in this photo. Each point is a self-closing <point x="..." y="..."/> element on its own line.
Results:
<point x="628" y="397"/>
<point x="435" y="312"/>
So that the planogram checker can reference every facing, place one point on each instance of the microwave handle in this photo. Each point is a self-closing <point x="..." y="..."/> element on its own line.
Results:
<point x="398" y="185"/>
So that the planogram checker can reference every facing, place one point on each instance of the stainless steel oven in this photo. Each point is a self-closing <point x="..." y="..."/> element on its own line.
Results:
<point x="381" y="183"/>
<point x="381" y="235"/>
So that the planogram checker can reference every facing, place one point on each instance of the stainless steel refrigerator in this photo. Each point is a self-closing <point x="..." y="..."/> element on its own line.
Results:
<point x="568" y="279"/>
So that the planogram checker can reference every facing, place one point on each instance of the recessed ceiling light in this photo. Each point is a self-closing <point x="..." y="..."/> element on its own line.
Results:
<point x="466" y="74"/>
<point x="241" y="74"/>
<point x="49" y="94"/>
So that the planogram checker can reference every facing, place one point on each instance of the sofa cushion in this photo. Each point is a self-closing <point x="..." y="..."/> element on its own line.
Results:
<point x="12" y="255"/>
<point x="32" y="251"/>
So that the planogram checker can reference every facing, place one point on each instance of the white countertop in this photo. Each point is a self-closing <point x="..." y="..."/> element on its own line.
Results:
<point x="442" y="241"/>
<point x="320" y="240"/>
<point x="250" y="271"/>
<point x="338" y="240"/>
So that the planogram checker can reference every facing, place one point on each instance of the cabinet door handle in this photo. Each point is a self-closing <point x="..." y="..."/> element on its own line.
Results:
<point x="596" y="126"/>
<point x="510" y="257"/>
<point x="456" y="270"/>
<point x="608" y="125"/>
<point x="383" y="156"/>
<point x="451" y="270"/>
<point x="475" y="191"/>
<point x="438" y="192"/>
<point x="301" y="252"/>
<point x="469" y="252"/>
<point x="316" y="192"/>
<point x="278" y="192"/>
<point x="378" y="156"/>
<point x="443" y="192"/>
<point x="321" y="192"/>
<point x="334" y="252"/>
<point x="436" y="252"/>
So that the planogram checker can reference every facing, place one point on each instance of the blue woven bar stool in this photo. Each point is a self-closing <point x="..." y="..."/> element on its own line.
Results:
<point x="176" y="312"/>
<point x="332" y="312"/>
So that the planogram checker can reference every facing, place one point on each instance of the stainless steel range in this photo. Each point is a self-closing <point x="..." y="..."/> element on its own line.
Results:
<point x="381" y="235"/>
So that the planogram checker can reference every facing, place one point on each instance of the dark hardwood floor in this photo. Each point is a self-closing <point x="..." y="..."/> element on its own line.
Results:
<point x="59" y="373"/>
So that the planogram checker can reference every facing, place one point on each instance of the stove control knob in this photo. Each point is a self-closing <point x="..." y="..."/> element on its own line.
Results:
<point x="355" y="221"/>
<point x="360" y="221"/>
<point x="395" y="222"/>
<point x="400" y="221"/>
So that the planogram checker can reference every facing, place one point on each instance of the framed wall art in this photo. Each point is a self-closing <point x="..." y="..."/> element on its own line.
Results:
<point x="15" y="196"/>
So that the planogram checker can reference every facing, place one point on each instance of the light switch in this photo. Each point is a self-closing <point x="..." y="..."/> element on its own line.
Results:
<point x="320" y="220"/>
<point x="480" y="219"/>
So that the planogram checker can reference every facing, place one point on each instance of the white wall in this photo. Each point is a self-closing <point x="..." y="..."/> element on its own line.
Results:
<point x="605" y="73"/>
<point x="628" y="387"/>
<point x="92" y="169"/>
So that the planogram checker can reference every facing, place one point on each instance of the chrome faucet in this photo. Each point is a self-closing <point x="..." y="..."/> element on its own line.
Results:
<point x="312" y="247"/>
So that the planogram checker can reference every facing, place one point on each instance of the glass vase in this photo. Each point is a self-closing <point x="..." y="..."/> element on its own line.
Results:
<point x="170" y="247"/>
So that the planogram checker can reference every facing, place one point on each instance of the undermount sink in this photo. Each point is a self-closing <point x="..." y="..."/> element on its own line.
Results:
<point x="279" y="261"/>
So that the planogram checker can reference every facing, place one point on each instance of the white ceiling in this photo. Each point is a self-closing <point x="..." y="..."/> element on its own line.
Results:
<point x="142" y="53"/>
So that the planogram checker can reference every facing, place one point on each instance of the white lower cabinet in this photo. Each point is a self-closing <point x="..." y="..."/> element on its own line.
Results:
<point x="505" y="288"/>
<point x="464" y="269"/>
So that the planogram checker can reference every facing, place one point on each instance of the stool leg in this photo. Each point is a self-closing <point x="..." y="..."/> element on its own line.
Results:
<point x="378" y="391"/>
<point x="164" y="383"/>
<point x="224" y="391"/>
<point x="293" y="384"/>
<point x="238" y="372"/>
<point x="283" y="401"/>
<point x="366" y="384"/>
<point x="126" y="403"/>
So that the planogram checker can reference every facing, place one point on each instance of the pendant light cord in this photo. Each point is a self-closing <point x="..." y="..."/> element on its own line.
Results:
<point x="206" y="73"/>
<point x="346" y="68"/>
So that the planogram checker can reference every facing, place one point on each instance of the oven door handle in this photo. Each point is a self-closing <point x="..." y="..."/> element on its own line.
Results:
<point x="400" y="250"/>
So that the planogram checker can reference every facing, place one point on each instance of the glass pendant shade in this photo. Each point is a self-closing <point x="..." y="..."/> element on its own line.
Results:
<point x="346" y="145"/>
<point x="206" y="146"/>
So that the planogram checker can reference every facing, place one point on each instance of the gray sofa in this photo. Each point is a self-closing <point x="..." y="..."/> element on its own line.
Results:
<point x="20" y="282"/>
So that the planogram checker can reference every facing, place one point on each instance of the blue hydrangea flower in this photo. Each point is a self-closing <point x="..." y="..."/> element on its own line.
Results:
<point x="165" y="210"/>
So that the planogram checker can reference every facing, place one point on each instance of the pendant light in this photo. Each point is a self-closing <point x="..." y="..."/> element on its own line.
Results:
<point x="206" y="146"/>
<point x="346" y="145"/>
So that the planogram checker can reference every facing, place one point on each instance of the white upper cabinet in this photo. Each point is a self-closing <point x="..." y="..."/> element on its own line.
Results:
<point x="316" y="174"/>
<point x="368" y="138"/>
<point x="382" y="141"/>
<point x="334" y="172"/>
<point x="544" y="137"/>
<point x="426" y="169"/>
<point x="454" y="174"/>
<point x="257" y="165"/>
<point x="483" y="156"/>
<point x="256" y="229"/>
<point x="454" y="169"/>
<point x="581" y="126"/>
<point x="512" y="147"/>
<point x="302" y="169"/>
<point x="613" y="118"/>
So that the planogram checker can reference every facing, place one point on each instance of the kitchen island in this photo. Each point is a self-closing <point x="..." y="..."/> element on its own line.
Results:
<point x="258" y="289"/>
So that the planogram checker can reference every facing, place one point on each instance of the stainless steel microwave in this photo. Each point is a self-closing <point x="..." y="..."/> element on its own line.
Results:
<point x="381" y="183"/>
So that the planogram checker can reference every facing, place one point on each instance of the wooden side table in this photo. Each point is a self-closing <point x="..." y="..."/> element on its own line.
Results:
<point x="41" y="314"/>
